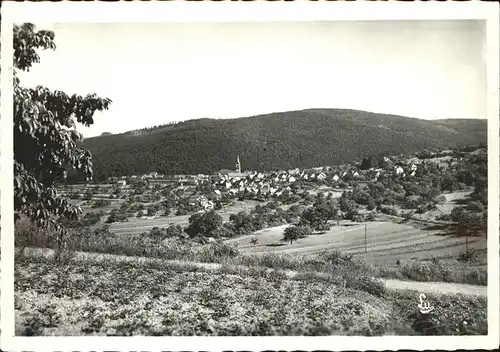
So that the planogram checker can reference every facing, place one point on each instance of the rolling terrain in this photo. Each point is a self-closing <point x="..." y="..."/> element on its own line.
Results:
<point x="283" y="140"/>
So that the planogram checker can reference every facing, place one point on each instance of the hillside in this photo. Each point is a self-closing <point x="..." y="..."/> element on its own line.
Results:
<point x="291" y="139"/>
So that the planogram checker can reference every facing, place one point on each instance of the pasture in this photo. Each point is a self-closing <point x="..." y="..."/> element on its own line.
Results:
<point x="387" y="242"/>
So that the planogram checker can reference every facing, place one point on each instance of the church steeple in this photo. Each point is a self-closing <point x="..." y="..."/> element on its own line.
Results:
<point x="238" y="164"/>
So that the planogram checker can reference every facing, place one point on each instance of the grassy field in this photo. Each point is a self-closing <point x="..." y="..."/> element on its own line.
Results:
<point x="387" y="242"/>
<point x="137" y="226"/>
<point x="80" y="297"/>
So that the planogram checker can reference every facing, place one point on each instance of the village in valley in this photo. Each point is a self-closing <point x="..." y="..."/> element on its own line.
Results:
<point x="397" y="190"/>
<point x="312" y="222"/>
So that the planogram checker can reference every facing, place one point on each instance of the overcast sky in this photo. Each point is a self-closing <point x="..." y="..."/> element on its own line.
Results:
<point x="157" y="73"/>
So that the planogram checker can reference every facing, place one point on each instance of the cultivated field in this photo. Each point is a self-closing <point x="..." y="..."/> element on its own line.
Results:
<point x="386" y="242"/>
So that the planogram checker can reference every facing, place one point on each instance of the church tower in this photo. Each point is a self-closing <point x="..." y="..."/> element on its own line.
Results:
<point x="238" y="164"/>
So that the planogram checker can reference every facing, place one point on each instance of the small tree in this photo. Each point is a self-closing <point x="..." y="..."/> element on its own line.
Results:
<point x="293" y="233"/>
<point x="204" y="224"/>
<point x="254" y="240"/>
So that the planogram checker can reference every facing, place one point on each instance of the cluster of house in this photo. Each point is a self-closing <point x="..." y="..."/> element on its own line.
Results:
<point x="275" y="183"/>
<point x="270" y="183"/>
<point x="155" y="178"/>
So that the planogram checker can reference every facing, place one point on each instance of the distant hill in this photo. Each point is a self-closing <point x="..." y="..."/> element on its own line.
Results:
<point x="282" y="140"/>
<point x="106" y="134"/>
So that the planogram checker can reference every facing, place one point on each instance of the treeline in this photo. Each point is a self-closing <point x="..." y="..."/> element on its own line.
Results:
<point x="285" y="140"/>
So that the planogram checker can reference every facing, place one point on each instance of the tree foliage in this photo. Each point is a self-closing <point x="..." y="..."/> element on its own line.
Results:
<point x="204" y="224"/>
<point x="293" y="233"/>
<point x="45" y="136"/>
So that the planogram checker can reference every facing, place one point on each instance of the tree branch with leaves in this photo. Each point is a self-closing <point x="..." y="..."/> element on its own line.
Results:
<point x="45" y="135"/>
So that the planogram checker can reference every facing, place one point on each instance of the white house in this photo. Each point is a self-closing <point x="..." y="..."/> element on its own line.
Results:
<point x="335" y="178"/>
<point x="413" y="167"/>
<point x="313" y="176"/>
<point x="321" y="176"/>
<point x="355" y="174"/>
<point x="306" y="177"/>
<point x="399" y="170"/>
<point x="217" y="192"/>
<point x="121" y="183"/>
<point x="292" y="179"/>
<point x="228" y="185"/>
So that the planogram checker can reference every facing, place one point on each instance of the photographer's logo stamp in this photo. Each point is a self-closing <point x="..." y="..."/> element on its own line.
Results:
<point x="424" y="306"/>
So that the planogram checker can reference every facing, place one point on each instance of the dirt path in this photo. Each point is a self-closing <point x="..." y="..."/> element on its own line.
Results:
<point x="429" y="287"/>
<point x="437" y="287"/>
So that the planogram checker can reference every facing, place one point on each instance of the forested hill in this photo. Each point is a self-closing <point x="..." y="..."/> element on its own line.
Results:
<point x="282" y="140"/>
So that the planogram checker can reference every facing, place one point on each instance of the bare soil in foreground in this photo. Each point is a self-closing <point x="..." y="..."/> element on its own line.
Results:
<point x="428" y="287"/>
<point x="120" y="296"/>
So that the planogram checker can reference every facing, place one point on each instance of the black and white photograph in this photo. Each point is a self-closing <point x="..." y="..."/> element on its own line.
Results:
<point x="251" y="178"/>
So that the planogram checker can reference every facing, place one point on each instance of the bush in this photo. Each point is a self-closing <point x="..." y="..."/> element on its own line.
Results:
<point x="158" y="233"/>
<point x="370" y="217"/>
<point x="99" y="203"/>
<point x="366" y="283"/>
<point x="338" y="257"/>
<point x="92" y="218"/>
<point x="475" y="207"/>
<point x="351" y="215"/>
<point x="116" y="216"/>
<point x="468" y="256"/>
<point x="389" y="211"/>
<point x="432" y="271"/>
<point x="443" y="217"/>
<point x="322" y="228"/>
<point x="174" y="231"/>
<point x="215" y="251"/>
<point x="181" y="211"/>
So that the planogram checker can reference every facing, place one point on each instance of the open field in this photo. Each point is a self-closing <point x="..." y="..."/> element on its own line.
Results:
<point x="386" y="242"/>
<point x="79" y="297"/>
<point x="136" y="226"/>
